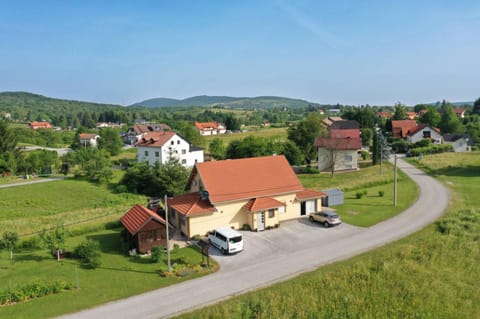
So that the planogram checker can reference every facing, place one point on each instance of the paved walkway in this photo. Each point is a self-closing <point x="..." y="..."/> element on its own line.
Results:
<point x="29" y="182"/>
<point x="279" y="265"/>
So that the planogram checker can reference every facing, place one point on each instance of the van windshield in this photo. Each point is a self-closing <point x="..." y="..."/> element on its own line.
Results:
<point x="234" y="240"/>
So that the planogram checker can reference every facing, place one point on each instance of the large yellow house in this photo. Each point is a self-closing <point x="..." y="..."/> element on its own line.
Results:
<point x="259" y="192"/>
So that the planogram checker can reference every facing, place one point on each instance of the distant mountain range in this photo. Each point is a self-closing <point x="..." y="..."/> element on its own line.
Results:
<point x="227" y="101"/>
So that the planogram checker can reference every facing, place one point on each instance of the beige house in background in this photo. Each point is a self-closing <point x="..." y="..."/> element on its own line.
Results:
<point x="259" y="192"/>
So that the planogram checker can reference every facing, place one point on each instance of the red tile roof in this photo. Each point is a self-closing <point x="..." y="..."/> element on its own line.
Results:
<point x="263" y="203"/>
<point x="137" y="217"/>
<point x="400" y="128"/>
<point x="310" y="194"/>
<point x="191" y="204"/>
<point x="155" y="139"/>
<point x="386" y="115"/>
<point x="421" y="127"/>
<point x="37" y="125"/>
<point x="87" y="136"/>
<point x="247" y="178"/>
<point x="339" y="143"/>
<point x="207" y="125"/>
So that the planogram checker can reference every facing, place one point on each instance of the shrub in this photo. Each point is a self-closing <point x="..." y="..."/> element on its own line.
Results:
<point x="308" y="170"/>
<point x="381" y="193"/>
<point x="365" y="192"/>
<point x="359" y="195"/>
<point x="34" y="290"/>
<point x="89" y="253"/>
<point x="246" y="227"/>
<point x="156" y="254"/>
<point x="184" y="272"/>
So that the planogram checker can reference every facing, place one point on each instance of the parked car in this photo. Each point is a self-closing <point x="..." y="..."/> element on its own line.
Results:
<point x="326" y="218"/>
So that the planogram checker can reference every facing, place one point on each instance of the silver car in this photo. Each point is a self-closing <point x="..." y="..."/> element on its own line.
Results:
<point x="326" y="218"/>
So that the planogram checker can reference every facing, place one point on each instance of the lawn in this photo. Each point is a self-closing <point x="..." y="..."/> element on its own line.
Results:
<point x="267" y="132"/>
<point x="30" y="208"/>
<point x="119" y="276"/>
<point x="371" y="208"/>
<point x="431" y="274"/>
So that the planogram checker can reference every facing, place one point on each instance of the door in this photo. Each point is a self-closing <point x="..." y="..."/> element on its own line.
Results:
<point x="310" y="206"/>
<point x="260" y="221"/>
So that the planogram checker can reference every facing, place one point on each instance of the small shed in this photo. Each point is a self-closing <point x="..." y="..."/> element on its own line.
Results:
<point x="334" y="197"/>
<point x="144" y="229"/>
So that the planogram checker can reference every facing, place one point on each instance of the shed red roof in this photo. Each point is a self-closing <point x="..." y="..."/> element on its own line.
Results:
<point x="339" y="143"/>
<point x="137" y="217"/>
<point x="191" y="204"/>
<point x="155" y="139"/>
<point x="310" y="194"/>
<point x="247" y="178"/>
<point x="263" y="203"/>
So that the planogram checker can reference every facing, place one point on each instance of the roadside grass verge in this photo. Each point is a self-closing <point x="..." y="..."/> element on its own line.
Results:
<point x="371" y="208"/>
<point x="431" y="274"/>
<point x="30" y="208"/>
<point x="119" y="276"/>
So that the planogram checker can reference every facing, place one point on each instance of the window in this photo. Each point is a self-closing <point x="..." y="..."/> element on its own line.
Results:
<point x="184" y="161"/>
<point x="281" y="209"/>
<point x="172" y="143"/>
<point x="184" y="151"/>
<point x="271" y="213"/>
<point x="348" y="158"/>
<point x="178" y="142"/>
<point x="157" y="154"/>
<point x="146" y="153"/>
<point x="182" y="220"/>
<point x="427" y="134"/>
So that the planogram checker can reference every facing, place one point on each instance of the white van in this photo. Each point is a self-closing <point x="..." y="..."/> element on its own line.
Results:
<point x="226" y="239"/>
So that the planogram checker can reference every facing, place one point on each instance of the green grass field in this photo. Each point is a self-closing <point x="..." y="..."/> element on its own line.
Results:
<point x="268" y="132"/>
<point x="119" y="276"/>
<point x="371" y="208"/>
<point x="431" y="274"/>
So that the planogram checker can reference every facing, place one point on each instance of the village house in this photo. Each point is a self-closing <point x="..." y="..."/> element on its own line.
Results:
<point x="339" y="151"/>
<point x="161" y="146"/>
<point x="89" y="139"/>
<point x="412" y="115"/>
<point x="460" y="112"/>
<point x="459" y="142"/>
<point x="424" y="131"/>
<point x="400" y="128"/>
<point x="210" y="128"/>
<point x="253" y="193"/>
<point x="135" y="133"/>
<point x="40" y="125"/>
<point x="144" y="229"/>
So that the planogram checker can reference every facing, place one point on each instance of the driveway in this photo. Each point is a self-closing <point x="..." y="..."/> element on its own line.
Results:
<point x="276" y="255"/>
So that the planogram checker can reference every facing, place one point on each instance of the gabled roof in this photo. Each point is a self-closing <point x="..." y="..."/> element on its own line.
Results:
<point x="262" y="203"/>
<point x="36" y="125"/>
<point x="455" y="137"/>
<point x="247" y="178"/>
<point x="420" y="127"/>
<point x="191" y="204"/>
<point x="88" y="136"/>
<point x="386" y="115"/>
<point x="400" y="128"/>
<point x="345" y="125"/>
<point x="459" y="110"/>
<point x="208" y="125"/>
<point x="155" y="139"/>
<point x="137" y="217"/>
<point x="310" y="194"/>
<point x="339" y="143"/>
<point x="140" y="129"/>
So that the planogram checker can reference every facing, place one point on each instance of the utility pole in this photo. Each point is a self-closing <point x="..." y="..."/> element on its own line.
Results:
<point x="395" y="182"/>
<point x="169" y="267"/>
<point x="381" y="153"/>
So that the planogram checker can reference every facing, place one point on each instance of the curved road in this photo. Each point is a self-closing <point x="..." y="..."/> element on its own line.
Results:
<point x="343" y="242"/>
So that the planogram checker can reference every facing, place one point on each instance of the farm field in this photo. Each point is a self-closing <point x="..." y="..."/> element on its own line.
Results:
<point x="431" y="274"/>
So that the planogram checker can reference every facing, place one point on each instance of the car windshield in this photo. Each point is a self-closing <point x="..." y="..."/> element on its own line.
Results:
<point x="332" y="215"/>
<point x="235" y="239"/>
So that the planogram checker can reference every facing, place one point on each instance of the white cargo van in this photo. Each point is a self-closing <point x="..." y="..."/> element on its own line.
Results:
<point x="226" y="239"/>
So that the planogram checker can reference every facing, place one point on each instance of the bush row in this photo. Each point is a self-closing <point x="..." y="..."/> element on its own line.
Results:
<point x="34" y="290"/>
<point x="436" y="148"/>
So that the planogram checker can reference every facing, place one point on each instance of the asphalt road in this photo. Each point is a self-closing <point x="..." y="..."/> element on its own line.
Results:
<point x="272" y="256"/>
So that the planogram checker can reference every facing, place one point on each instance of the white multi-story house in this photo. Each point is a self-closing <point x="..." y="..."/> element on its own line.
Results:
<point x="160" y="146"/>
<point x="210" y="128"/>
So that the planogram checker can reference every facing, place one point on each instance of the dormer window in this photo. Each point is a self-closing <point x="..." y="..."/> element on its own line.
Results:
<point x="172" y="143"/>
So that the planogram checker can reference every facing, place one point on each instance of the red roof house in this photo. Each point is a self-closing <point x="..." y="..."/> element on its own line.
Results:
<point x="256" y="193"/>
<point x="39" y="125"/>
<point x="400" y="128"/>
<point x="145" y="229"/>
<point x="210" y="128"/>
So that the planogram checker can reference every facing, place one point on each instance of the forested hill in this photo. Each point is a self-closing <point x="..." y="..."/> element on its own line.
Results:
<point x="39" y="103"/>
<point x="228" y="101"/>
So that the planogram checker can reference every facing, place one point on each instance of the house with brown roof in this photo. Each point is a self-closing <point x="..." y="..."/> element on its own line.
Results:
<point x="411" y="115"/>
<point x="210" y="128"/>
<point x="161" y="146"/>
<point x="424" y="131"/>
<point x="460" y="112"/>
<point x="144" y="229"/>
<point x="258" y="193"/>
<point x="385" y="115"/>
<point x="39" y="125"/>
<point x="400" y="128"/>
<point x="138" y="131"/>
<point x="89" y="139"/>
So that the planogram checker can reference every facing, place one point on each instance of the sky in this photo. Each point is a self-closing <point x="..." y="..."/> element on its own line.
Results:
<point x="347" y="52"/>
